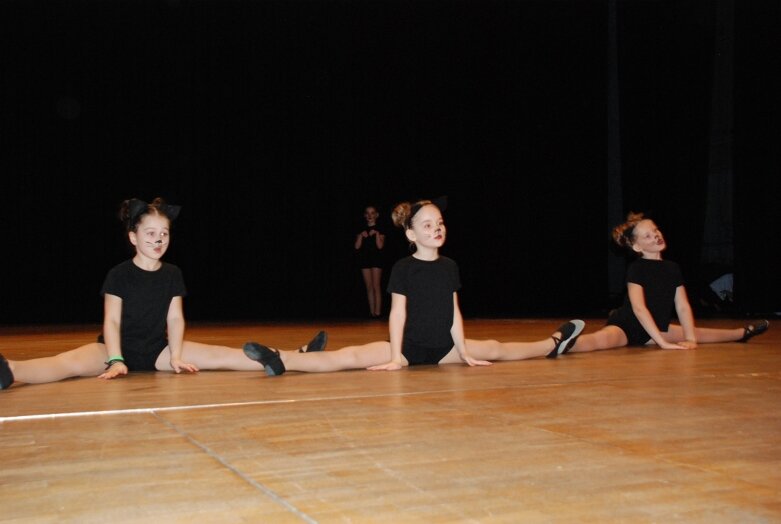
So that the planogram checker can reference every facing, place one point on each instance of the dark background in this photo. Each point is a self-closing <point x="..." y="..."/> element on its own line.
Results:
<point x="274" y="123"/>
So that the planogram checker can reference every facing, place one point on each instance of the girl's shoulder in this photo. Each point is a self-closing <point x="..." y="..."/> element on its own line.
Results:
<point x="411" y="260"/>
<point x="125" y="265"/>
<point x="404" y="261"/>
<point x="655" y="263"/>
<point x="650" y="269"/>
<point x="167" y="267"/>
<point x="639" y="261"/>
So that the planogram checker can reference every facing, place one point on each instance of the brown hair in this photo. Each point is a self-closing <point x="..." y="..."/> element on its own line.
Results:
<point x="623" y="234"/>
<point x="404" y="212"/>
<point x="131" y="211"/>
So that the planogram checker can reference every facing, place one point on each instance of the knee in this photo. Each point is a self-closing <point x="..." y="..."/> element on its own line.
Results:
<point x="348" y="358"/>
<point x="490" y="349"/>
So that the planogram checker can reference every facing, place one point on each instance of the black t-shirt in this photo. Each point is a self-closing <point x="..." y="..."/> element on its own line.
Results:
<point x="660" y="280"/>
<point x="429" y="288"/>
<point x="369" y="255"/>
<point x="146" y="297"/>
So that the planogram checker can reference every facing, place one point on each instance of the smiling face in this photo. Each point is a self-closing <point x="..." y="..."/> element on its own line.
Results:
<point x="647" y="240"/>
<point x="427" y="229"/>
<point x="151" y="237"/>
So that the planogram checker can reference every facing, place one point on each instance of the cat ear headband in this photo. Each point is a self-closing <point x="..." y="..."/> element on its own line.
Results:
<point x="137" y="207"/>
<point x="440" y="202"/>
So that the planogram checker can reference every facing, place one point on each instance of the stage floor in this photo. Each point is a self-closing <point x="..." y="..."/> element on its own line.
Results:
<point x="622" y="435"/>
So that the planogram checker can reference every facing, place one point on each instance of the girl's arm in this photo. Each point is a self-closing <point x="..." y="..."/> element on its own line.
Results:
<point x="175" y="320"/>
<point x="685" y="317"/>
<point x="459" y="341"/>
<point x="359" y="239"/>
<point x="112" y="320"/>
<point x="396" y="320"/>
<point x="379" y="239"/>
<point x="639" y="308"/>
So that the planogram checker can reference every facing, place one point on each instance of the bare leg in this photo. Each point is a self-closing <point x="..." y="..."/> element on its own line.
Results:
<point x="376" y="279"/>
<point x="608" y="337"/>
<point x="349" y="357"/>
<point x="367" y="281"/>
<point x="208" y="357"/>
<point x="493" y="350"/>
<point x="705" y="335"/>
<point x="85" y="361"/>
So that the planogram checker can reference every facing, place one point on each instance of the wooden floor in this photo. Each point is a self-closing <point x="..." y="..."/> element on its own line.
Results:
<point x="612" y="436"/>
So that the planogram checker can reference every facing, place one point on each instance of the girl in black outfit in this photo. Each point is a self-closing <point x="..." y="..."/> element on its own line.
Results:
<point x="425" y="320"/>
<point x="143" y="323"/>
<point x="653" y="287"/>
<point x="369" y="244"/>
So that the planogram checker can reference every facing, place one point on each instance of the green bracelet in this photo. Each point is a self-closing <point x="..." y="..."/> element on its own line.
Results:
<point x="113" y="360"/>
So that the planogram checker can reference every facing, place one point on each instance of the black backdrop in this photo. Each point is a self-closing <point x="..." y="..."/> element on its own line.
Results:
<point x="274" y="123"/>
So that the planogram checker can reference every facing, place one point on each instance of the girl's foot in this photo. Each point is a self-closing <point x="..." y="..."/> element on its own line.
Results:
<point x="268" y="357"/>
<point x="754" y="329"/>
<point x="569" y="332"/>
<point x="316" y="344"/>
<point x="6" y="376"/>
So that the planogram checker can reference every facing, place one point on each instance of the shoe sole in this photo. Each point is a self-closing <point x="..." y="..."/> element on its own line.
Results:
<point x="579" y="325"/>
<point x="268" y="358"/>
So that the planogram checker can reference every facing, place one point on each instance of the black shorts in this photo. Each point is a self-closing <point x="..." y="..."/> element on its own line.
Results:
<point x="636" y="334"/>
<point x="370" y="260"/>
<point x="419" y="355"/>
<point x="139" y="361"/>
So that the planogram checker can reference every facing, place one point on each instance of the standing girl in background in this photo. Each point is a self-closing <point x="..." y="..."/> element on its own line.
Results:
<point x="653" y="287"/>
<point x="369" y="244"/>
<point x="425" y="320"/>
<point x="143" y="323"/>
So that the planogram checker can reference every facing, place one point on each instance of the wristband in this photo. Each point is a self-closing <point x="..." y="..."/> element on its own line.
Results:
<point x="114" y="360"/>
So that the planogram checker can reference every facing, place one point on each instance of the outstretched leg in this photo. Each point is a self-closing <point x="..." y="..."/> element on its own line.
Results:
<point x="607" y="337"/>
<point x="716" y="335"/>
<point x="211" y="357"/>
<point x="350" y="357"/>
<point x="85" y="361"/>
<point x="208" y="357"/>
<point x="494" y="350"/>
